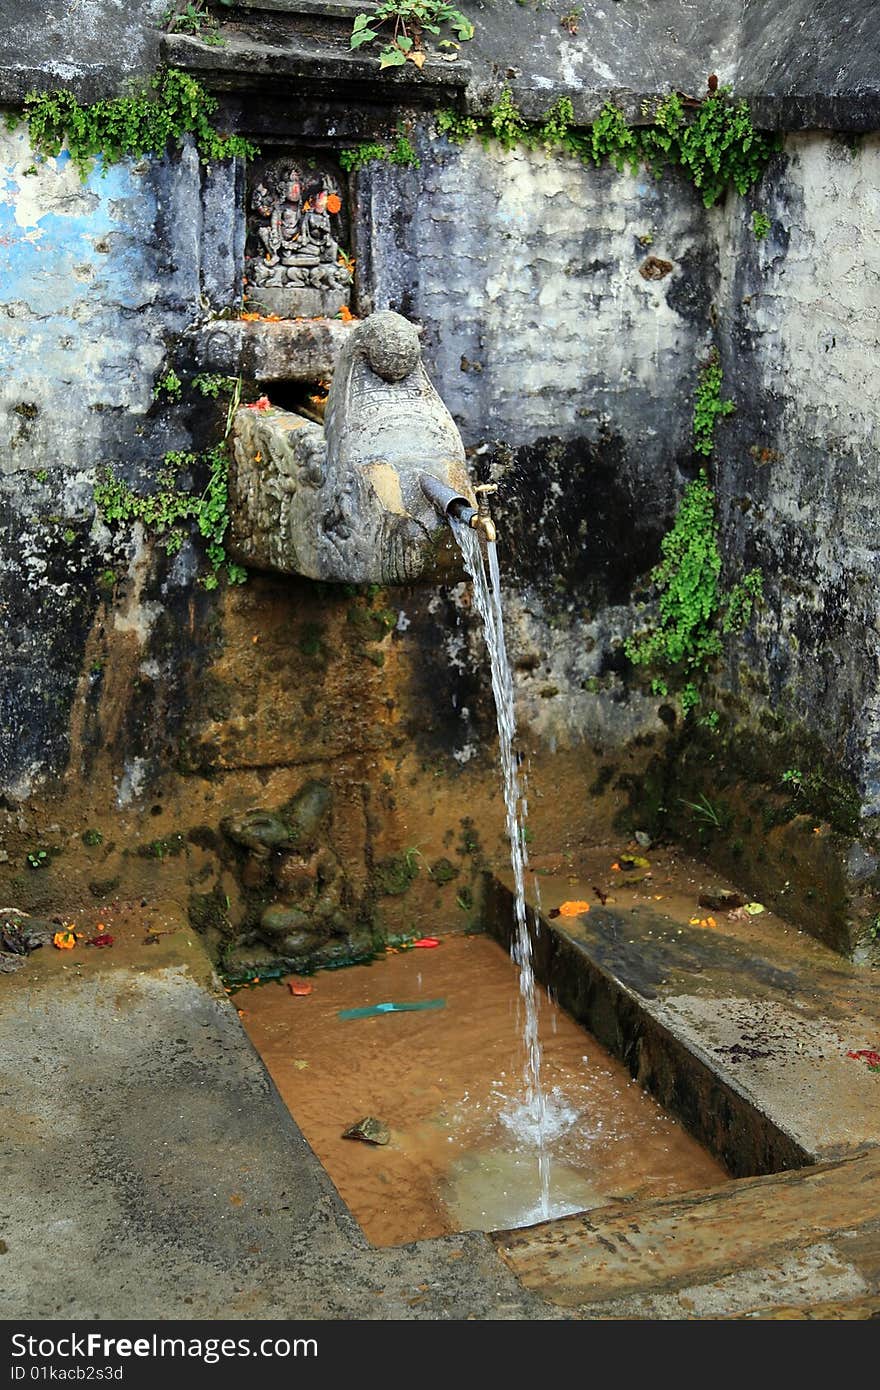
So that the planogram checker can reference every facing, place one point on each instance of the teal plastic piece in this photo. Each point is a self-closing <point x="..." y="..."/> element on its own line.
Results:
<point x="373" y="1009"/>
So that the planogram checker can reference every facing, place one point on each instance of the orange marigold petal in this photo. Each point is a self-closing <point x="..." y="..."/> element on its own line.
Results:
<point x="334" y="202"/>
<point x="573" y="909"/>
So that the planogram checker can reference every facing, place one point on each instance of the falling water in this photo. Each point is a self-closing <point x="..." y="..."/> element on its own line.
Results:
<point x="487" y="598"/>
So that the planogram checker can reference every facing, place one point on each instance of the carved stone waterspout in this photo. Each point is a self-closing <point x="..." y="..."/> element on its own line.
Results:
<point x="344" y="501"/>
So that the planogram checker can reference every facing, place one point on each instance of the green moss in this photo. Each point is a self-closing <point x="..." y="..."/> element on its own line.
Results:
<point x="603" y="778"/>
<point x="469" y="842"/>
<point x="104" y="887"/>
<point x="370" y="624"/>
<point x="392" y="877"/>
<point x="310" y="643"/>
<point x="209" y="913"/>
<point x="444" y="871"/>
<point x="699" y="761"/>
<point x="206" y="837"/>
<point x="92" y="837"/>
<point x="167" y="848"/>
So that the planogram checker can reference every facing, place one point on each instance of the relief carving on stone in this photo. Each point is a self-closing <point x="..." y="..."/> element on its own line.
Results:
<point x="294" y="266"/>
<point x="344" y="502"/>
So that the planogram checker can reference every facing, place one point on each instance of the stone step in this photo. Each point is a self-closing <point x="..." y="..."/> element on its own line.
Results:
<point x="785" y="1242"/>
<point x="286" y="351"/>
<point x="743" y="1032"/>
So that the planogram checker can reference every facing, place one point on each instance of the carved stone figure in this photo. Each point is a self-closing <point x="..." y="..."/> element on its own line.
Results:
<point x="293" y="265"/>
<point x="346" y="502"/>
<point x="310" y="917"/>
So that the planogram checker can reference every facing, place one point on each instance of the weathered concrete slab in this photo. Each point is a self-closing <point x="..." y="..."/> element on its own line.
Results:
<point x="803" y="64"/>
<point x="94" y="46"/>
<point x="253" y="62"/>
<point x="141" y="1137"/>
<point x="784" y="1241"/>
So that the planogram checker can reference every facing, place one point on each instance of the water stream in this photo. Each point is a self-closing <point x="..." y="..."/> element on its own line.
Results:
<point x="532" y="1118"/>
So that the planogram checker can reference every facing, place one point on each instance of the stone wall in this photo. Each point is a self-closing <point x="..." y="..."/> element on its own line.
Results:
<point x="570" y="374"/>
<point x="798" y="324"/>
<point x="573" y="378"/>
<point x="567" y="352"/>
<point x="800" y="63"/>
<point x="98" y="279"/>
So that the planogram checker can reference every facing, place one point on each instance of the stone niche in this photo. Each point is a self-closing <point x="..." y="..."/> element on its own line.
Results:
<point x="297" y="247"/>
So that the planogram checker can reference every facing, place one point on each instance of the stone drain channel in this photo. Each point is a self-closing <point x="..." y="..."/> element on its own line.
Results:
<point x="143" y="1135"/>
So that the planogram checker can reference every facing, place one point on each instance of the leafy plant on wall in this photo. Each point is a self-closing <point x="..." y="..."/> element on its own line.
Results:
<point x="694" y="611"/>
<point x="165" y="109"/>
<point x="713" y="142"/>
<point x="709" y="407"/>
<point x="400" y="26"/>
<point x="175" y="509"/>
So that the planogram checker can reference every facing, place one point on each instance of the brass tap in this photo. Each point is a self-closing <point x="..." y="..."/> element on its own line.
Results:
<point x="482" y="520"/>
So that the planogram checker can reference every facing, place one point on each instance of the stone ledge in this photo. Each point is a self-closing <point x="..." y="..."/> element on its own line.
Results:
<point x="798" y="65"/>
<point x="248" y="65"/>
<point x="289" y="350"/>
<point x="711" y="1024"/>
<point x="345" y="8"/>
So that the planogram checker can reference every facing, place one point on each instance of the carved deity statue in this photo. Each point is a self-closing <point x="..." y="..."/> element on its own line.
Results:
<point x="292" y="240"/>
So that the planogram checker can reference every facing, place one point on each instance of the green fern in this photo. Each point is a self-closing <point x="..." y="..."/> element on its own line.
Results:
<point x="715" y="144"/>
<point x="173" y="512"/>
<point x="693" y="611"/>
<point x="709" y="408"/>
<point x="173" y="104"/>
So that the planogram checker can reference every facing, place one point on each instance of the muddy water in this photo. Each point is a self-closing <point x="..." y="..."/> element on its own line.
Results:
<point x="448" y="1083"/>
